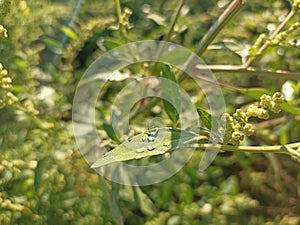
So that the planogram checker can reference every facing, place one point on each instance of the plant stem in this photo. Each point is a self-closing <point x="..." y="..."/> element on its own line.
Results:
<point x="174" y="21"/>
<point x="120" y="20"/>
<point x="272" y="36"/>
<point x="167" y="37"/>
<point x="119" y="12"/>
<point x="241" y="70"/>
<point x="253" y="149"/>
<point x="225" y="17"/>
<point x="169" y="34"/>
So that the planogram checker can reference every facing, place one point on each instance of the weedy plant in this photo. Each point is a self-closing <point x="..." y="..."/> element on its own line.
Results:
<point x="42" y="175"/>
<point x="232" y="128"/>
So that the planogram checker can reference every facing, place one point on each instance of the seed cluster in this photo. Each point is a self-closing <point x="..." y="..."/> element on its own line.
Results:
<point x="237" y="125"/>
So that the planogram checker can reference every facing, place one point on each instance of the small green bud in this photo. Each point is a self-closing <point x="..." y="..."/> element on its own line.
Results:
<point x="263" y="114"/>
<point x="248" y="129"/>
<point x="240" y="116"/>
<point x="227" y="118"/>
<point x="265" y="101"/>
<point x="278" y="98"/>
<point x="252" y="111"/>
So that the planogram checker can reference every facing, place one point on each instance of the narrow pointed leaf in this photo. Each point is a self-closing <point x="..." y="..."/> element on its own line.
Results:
<point x="110" y="132"/>
<point x="170" y="91"/>
<point x="145" y="145"/>
<point x="205" y="117"/>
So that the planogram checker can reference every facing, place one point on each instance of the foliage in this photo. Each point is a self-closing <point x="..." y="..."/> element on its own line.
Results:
<point x="45" y="47"/>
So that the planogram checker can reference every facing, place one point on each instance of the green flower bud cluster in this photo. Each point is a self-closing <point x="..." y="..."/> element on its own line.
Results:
<point x="282" y="36"/>
<point x="6" y="96"/>
<point x="237" y="125"/>
<point x="125" y="18"/>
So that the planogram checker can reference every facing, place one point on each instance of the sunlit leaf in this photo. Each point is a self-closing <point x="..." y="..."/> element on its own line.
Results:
<point x="154" y="142"/>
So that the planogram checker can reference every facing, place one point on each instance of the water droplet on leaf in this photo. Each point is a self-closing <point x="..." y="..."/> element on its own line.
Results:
<point x="150" y="148"/>
<point x="151" y="139"/>
<point x="140" y="150"/>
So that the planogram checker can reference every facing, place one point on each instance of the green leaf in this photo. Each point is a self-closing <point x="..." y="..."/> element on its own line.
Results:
<point x="153" y="142"/>
<point x="177" y="56"/>
<point x="170" y="91"/>
<point x="289" y="108"/>
<point x="109" y="45"/>
<point x="110" y="132"/>
<point x="231" y="45"/>
<point x="145" y="203"/>
<point x="205" y="117"/>
<point x="52" y="44"/>
<point x="255" y="92"/>
<point x="40" y="171"/>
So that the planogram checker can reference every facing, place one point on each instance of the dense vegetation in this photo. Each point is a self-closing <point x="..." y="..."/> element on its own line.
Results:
<point x="45" y="48"/>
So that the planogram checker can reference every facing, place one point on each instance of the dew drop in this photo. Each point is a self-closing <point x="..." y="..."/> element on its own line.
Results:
<point x="111" y="157"/>
<point x="140" y="150"/>
<point x="138" y="157"/>
<point x="170" y="128"/>
<point x="105" y="155"/>
<point x="143" y="139"/>
<point x="150" y="148"/>
<point x="152" y="132"/>
<point x="165" y="144"/>
<point x="162" y="152"/>
<point x="130" y="139"/>
<point x="151" y="139"/>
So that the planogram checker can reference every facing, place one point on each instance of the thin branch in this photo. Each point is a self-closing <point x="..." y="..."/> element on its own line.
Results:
<point x="259" y="52"/>
<point x="225" y="17"/>
<point x="174" y="21"/>
<point x="241" y="70"/>
<point x="281" y="149"/>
